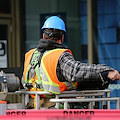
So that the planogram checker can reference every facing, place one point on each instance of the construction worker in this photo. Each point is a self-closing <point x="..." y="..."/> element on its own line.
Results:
<point x="58" y="70"/>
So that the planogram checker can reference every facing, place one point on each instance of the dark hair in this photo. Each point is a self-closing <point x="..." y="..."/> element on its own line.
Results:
<point x="53" y="34"/>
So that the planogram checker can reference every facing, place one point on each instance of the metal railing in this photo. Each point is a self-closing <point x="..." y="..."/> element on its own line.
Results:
<point x="70" y="95"/>
<point x="66" y="101"/>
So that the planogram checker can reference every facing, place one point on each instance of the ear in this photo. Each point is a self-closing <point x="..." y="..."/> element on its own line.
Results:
<point x="62" y="38"/>
<point x="43" y="35"/>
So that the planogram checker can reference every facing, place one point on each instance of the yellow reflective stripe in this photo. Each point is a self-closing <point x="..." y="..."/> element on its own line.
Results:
<point x="48" y="77"/>
<point x="53" y="88"/>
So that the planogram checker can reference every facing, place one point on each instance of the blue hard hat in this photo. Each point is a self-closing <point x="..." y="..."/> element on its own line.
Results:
<point x="54" y="22"/>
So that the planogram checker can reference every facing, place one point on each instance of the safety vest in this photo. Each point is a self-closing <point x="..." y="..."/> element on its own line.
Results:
<point x="47" y="72"/>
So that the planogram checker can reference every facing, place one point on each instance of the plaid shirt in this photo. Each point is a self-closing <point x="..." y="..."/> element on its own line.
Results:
<point x="68" y="69"/>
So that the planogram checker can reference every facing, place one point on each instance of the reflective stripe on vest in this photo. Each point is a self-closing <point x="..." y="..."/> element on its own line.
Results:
<point x="48" y="72"/>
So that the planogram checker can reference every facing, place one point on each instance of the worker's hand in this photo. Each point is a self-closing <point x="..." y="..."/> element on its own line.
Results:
<point x="114" y="75"/>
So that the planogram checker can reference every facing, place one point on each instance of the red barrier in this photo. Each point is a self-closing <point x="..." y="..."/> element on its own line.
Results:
<point x="70" y="114"/>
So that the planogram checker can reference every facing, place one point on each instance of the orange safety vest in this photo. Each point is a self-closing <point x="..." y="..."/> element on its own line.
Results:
<point x="49" y="63"/>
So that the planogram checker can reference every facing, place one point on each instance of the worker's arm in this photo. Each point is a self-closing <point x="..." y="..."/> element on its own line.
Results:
<point x="74" y="70"/>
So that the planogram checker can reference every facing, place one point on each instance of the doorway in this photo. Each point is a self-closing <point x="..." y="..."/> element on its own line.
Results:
<point x="9" y="33"/>
<point x="5" y="43"/>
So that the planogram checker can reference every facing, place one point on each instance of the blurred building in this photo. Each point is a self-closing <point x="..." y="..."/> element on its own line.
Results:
<point x="93" y="29"/>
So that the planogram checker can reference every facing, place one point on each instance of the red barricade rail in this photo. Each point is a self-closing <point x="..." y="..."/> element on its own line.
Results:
<point x="70" y="114"/>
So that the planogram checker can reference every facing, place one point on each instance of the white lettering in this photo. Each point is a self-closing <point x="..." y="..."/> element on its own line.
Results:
<point x="114" y="86"/>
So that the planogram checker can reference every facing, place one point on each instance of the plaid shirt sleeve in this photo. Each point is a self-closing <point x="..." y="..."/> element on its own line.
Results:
<point x="73" y="70"/>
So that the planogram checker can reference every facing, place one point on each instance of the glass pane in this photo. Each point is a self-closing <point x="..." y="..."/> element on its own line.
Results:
<point x="5" y="6"/>
<point x="3" y="46"/>
<point x="3" y="32"/>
